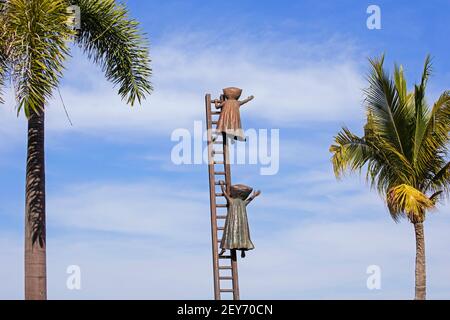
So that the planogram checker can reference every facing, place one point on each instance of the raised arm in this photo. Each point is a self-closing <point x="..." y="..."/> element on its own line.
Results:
<point x="246" y="100"/>
<point x="252" y="197"/>
<point x="218" y="104"/>
<point x="224" y="191"/>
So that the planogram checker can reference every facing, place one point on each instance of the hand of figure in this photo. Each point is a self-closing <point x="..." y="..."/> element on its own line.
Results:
<point x="256" y="193"/>
<point x="217" y="104"/>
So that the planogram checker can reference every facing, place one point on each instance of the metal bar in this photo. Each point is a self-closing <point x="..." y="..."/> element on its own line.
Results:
<point x="225" y="268"/>
<point x="234" y="269"/>
<point x="212" y="199"/>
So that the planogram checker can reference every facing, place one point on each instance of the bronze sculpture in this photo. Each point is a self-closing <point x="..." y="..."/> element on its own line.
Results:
<point x="230" y="119"/>
<point x="236" y="234"/>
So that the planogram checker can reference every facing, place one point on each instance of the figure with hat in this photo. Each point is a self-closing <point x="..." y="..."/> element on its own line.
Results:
<point x="230" y="119"/>
<point x="236" y="234"/>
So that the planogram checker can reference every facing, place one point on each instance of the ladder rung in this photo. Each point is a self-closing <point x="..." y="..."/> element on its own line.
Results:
<point x="227" y="290"/>
<point x="219" y="162"/>
<point x="221" y="206"/>
<point x="215" y="112"/>
<point x="225" y="267"/>
<point x="220" y="195"/>
<point x="220" y="228"/>
<point x="220" y="173"/>
<point x="225" y="278"/>
<point x="217" y="152"/>
<point x="224" y="257"/>
<point x="221" y="217"/>
<point x="218" y="183"/>
<point x="218" y="142"/>
<point x="215" y="122"/>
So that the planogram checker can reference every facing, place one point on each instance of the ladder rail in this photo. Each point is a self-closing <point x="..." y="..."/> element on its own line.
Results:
<point x="212" y="199"/>
<point x="234" y="271"/>
<point x="214" y="177"/>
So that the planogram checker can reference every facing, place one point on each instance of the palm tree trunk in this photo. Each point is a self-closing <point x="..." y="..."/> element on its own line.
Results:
<point x="421" y="277"/>
<point x="35" y="239"/>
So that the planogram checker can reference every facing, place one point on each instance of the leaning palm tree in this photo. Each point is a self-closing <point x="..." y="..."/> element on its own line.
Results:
<point x="404" y="150"/>
<point x="35" y="40"/>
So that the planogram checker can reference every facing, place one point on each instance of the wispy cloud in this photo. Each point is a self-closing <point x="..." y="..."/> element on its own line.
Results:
<point x="293" y="82"/>
<point x="315" y="237"/>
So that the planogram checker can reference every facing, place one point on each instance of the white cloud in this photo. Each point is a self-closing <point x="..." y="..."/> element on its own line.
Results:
<point x="302" y="261"/>
<point x="293" y="82"/>
<point x="150" y="239"/>
<point x="153" y="208"/>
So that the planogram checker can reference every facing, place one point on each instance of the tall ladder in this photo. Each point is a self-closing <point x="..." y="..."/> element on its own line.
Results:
<point x="224" y="267"/>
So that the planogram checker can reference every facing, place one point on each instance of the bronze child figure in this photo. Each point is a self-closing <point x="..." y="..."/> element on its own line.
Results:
<point x="230" y="119"/>
<point x="236" y="234"/>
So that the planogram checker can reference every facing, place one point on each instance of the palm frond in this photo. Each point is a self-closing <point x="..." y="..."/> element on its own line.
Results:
<point x="421" y="112"/>
<point x="435" y="196"/>
<point x="112" y="40"/>
<point x="391" y="164"/>
<point x="3" y="51"/>
<point x="349" y="152"/>
<point x="407" y="200"/>
<point x="401" y="86"/>
<point x="440" y="180"/>
<point x="390" y="117"/>
<point x="434" y="143"/>
<point x="37" y="49"/>
<point x="3" y="69"/>
<point x="427" y="70"/>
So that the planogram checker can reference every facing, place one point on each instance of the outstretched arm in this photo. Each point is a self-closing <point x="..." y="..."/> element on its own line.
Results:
<point x="252" y="197"/>
<point x="224" y="191"/>
<point x="246" y="100"/>
<point x="219" y="104"/>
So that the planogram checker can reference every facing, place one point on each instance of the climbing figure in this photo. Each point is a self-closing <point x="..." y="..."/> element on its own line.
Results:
<point x="236" y="234"/>
<point x="230" y="119"/>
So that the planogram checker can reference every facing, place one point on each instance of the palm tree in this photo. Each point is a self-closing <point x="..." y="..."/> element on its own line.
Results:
<point x="403" y="150"/>
<point x="35" y="38"/>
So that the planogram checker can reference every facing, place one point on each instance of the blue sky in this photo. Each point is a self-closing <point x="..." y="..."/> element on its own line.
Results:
<point x="138" y="225"/>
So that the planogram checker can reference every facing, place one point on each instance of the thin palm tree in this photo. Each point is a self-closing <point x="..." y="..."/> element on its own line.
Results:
<point x="35" y="40"/>
<point x="404" y="150"/>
